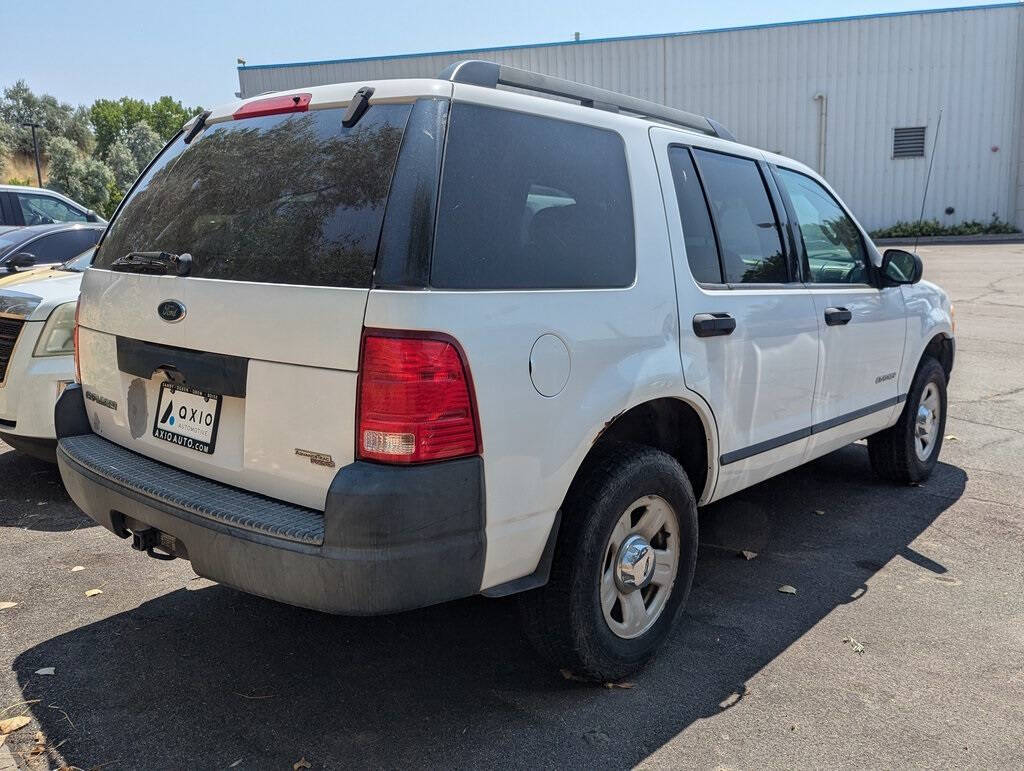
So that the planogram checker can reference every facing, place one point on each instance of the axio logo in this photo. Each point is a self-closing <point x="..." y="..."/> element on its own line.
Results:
<point x="167" y="417"/>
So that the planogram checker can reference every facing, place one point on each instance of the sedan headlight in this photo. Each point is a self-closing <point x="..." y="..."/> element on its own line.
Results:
<point x="57" y="338"/>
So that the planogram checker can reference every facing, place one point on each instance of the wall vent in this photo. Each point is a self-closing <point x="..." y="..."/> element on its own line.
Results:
<point x="908" y="142"/>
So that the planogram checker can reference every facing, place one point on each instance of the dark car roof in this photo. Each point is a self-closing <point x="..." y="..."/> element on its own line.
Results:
<point x="12" y="238"/>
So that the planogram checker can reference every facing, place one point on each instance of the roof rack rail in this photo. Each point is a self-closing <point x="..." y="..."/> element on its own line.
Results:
<point x="491" y="74"/>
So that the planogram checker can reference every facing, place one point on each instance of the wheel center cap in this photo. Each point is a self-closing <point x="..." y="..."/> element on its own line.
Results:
<point x="635" y="564"/>
<point x="924" y="421"/>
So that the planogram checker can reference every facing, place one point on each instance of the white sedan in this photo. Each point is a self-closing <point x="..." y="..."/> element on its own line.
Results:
<point x="37" y="319"/>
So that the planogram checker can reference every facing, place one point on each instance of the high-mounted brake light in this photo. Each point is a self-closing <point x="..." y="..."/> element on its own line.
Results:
<point x="415" y="400"/>
<point x="74" y="339"/>
<point x="272" y="105"/>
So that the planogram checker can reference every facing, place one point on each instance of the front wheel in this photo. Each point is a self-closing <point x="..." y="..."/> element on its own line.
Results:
<point x="623" y="565"/>
<point x="908" y="451"/>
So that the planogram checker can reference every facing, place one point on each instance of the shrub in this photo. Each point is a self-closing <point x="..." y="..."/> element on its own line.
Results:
<point x="935" y="228"/>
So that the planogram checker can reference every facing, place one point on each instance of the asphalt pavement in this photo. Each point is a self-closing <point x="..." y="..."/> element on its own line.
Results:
<point x="903" y="646"/>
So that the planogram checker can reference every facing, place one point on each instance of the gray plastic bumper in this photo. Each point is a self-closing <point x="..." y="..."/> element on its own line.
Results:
<point x="390" y="538"/>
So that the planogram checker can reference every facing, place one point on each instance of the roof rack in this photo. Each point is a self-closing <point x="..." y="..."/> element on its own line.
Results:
<point x="491" y="74"/>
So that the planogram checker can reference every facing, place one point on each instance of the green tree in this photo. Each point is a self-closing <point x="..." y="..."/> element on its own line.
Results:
<point x="122" y="163"/>
<point x="167" y="116"/>
<point x="6" y="144"/>
<point x="144" y="143"/>
<point x="57" y="119"/>
<point x="112" y="119"/>
<point x="83" y="178"/>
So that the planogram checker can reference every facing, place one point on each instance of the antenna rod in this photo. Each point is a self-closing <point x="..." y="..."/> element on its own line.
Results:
<point x="928" y="179"/>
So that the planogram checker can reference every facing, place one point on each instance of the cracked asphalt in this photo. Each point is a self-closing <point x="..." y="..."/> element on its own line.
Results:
<point x="163" y="670"/>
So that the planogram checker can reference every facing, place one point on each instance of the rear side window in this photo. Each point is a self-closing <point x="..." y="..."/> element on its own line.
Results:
<point x="288" y="199"/>
<point x="698" y="234"/>
<point x="45" y="210"/>
<point x="747" y="229"/>
<point x="532" y="203"/>
<point x="61" y="247"/>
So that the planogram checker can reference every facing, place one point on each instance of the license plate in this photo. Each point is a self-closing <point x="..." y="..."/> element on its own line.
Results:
<point x="187" y="417"/>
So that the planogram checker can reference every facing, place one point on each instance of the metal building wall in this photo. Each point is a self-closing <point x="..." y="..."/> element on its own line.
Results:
<point x="876" y="73"/>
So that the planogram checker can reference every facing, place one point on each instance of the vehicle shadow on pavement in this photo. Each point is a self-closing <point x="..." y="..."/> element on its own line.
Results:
<point x="209" y="677"/>
<point x="33" y="497"/>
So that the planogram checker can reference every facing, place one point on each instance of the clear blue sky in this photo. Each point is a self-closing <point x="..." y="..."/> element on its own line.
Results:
<point x="81" y="51"/>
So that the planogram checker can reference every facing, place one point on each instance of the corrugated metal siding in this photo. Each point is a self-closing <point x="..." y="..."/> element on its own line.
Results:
<point x="877" y="73"/>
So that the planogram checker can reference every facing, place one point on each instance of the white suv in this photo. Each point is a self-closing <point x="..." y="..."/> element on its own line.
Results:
<point x="372" y="346"/>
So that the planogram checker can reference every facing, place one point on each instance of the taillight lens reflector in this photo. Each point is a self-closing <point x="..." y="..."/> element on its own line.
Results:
<point x="272" y="105"/>
<point x="74" y="339"/>
<point x="415" y="400"/>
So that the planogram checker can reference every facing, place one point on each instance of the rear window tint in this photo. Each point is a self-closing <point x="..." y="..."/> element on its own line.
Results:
<point x="288" y="199"/>
<point x="698" y="234"/>
<point x="532" y="203"/>
<point x="747" y="229"/>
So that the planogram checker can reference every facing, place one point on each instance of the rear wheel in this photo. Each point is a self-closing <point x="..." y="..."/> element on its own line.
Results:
<point x="908" y="451"/>
<point x="624" y="563"/>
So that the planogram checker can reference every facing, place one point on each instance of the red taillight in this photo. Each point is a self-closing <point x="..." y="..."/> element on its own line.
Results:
<point x="272" y="105"/>
<point x="74" y="339"/>
<point x="415" y="400"/>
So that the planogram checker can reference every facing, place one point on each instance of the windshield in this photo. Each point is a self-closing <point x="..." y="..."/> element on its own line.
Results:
<point x="79" y="263"/>
<point x="290" y="199"/>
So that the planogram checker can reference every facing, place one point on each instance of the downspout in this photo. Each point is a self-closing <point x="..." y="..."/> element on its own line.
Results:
<point x="822" y="128"/>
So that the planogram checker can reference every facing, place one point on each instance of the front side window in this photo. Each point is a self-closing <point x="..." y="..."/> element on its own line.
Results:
<point x="45" y="210"/>
<point x="833" y="248"/>
<point x="294" y="198"/>
<point x="529" y="202"/>
<point x="748" y="231"/>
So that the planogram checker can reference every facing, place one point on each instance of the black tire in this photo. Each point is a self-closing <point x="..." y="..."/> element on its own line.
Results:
<point x="893" y="452"/>
<point x="564" y="620"/>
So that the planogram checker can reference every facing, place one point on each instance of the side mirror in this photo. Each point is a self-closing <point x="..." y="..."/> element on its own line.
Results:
<point x="22" y="260"/>
<point x="901" y="267"/>
<point x="91" y="216"/>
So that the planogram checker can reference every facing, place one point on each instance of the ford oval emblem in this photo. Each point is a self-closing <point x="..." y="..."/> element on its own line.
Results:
<point x="171" y="310"/>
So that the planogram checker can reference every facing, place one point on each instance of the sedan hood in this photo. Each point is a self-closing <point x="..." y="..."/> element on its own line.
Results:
<point x="35" y="293"/>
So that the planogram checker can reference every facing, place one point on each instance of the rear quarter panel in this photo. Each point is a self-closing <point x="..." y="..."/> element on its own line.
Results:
<point x="623" y="346"/>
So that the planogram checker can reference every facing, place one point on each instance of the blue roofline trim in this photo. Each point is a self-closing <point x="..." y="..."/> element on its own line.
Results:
<point x="770" y="25"/>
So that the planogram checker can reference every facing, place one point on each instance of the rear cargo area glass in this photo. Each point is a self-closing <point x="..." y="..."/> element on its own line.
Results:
<point x="288" y="199"/>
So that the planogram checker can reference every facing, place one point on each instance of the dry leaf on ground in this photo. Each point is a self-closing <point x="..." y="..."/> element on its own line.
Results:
<point x="855" y="646"/>
<point x="819" y="512"/>
<point x="748" y="555"/>
<point x="6" y="605"/>
<point x="93" y="592"/>
<point x="952" y="438"/>
<point x="76" y="568"/>
<point x="620" y="685"/>
<point x="12" y="724"/>
<point x="787" y="589"/>
<point x="45" y="671"/>
<point x="303" y="763"/>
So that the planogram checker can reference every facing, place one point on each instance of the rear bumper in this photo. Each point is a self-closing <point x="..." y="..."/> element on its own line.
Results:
<point x="390" y="538"/>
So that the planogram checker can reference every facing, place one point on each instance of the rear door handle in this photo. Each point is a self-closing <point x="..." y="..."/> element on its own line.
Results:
<point x="713" y="324"/>
<point x="837" y="316"/>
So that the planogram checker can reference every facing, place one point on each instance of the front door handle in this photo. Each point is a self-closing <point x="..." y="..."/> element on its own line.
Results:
<point x="837" y="316"/>
<point x="713" y="324"/>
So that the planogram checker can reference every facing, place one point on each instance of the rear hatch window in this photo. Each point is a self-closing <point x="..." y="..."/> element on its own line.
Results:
<point x="286" y="199"/>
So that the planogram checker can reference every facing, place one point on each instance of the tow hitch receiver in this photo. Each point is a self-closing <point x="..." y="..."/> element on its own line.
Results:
<point x="153" y="543"/>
